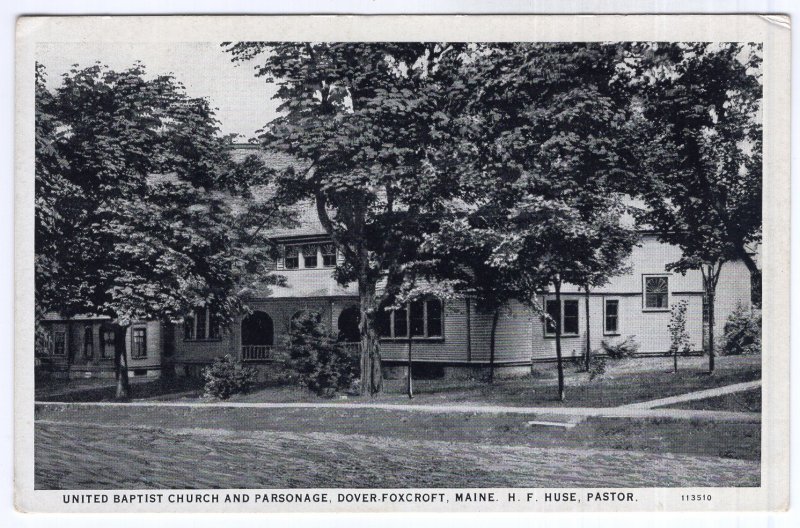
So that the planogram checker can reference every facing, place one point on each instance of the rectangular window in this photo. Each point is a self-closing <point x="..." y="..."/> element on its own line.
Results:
<point x="400" y="322"/>
<point x="384" y="323"/>
<point x="434" y="311"/>
<point x="566" y="318"/>
<point x="420" y="319"/>
<point x="88" y="342"/>
<point x="553" y="319"/>
<point x="291" y="258"/>
<point x="200" y="326"/>
<point x="139" y="345"/>
<point x="328" y="255"/>
<point x="417" y="318"/>
<point x="310" y="256"/>
<point x="108" y="343"/>
<point x="188" y="327"/>
<point x="570" y="317"/>
<point x="656" y="292"/>
<point x="611" y="316"/>
<point x="213" y="324"/>
<point x="59" y="343"/>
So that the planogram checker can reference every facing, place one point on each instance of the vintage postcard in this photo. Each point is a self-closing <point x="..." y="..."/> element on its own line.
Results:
<point x="402" y="263"/>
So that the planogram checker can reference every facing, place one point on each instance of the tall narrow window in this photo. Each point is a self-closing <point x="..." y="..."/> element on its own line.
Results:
<point x="611" y="316"/>
<point x="570" y="317"/>
<point x="108" y="343"/>
<point x="656" y="293"/>
<point x="139" y="344"/>
<point x="434" y="307"/>
<point x="401" y="322"/>
<point x="200" y="317"/>
<point x="291" y="258"/>
<point x="328" y="255"/>
<point x="310" y="256"/>
<point x="384" y="323"/>
<point x="554" y="317"/>
<point x="188" y="327"/>
<point x="213" y="324"/>
<point x="59" y="343"/>
<point x="417" y="318"/>
<point x="88" y="342"/>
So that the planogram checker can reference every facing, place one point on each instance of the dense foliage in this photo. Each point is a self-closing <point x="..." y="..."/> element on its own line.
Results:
<point x="320" y="362"/>
<point x="742" y="333"/>
<point x="133" y="217"/>
<point x="226" y="377"/>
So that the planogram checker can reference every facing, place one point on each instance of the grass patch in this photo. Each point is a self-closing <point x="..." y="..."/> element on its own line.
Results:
<point x="743" y="401"/>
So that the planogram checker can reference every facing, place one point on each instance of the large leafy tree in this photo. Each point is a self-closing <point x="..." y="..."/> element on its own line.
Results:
<point x="701" y="152"/>
<point x="133" y="217"/>
<point x="363" y="120"/>
<point x="545" y="140"/>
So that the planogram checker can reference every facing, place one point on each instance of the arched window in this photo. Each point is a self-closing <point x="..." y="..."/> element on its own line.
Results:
<point x="257" y="329"/>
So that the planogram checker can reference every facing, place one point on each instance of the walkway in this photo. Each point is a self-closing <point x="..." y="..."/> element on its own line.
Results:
<point x="692" y="396"/>
<point x="466" y="407"/>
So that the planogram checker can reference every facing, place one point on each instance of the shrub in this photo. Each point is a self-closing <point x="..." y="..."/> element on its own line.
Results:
<point x="597" y="367"/>
<point x="319" y="361"/>
<point x="622" y="349"/>
<point x="742" y="333"/>
<point x="225" y="377"/>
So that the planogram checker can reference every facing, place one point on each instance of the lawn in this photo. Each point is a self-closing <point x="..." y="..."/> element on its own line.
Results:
<point x="625" y="381"/>
<point x="213" y="447"/>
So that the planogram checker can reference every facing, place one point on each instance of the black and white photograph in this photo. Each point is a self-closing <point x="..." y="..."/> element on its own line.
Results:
<point x="382" y="271"/>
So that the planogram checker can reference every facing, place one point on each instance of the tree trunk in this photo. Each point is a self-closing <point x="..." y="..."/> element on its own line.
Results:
<point x="371" y="375"/>
<point x="410" y="379"/>
<point x="121" y="364"/>
<point x="675" y="360"/>
<point x="561" y="394"/>
<point x="588" y="328"/>
<point x="495" y="319"/>
<point x="711" y="353"/>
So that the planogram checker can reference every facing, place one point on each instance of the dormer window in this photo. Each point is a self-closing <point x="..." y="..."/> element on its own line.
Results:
<point x="328" y="255"/>
<point x="310" y="256"/>
<point x="292" y="258"/>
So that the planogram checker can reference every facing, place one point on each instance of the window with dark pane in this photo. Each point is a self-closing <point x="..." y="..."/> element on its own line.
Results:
<point x="59" y="343"/>
<point x="416" y="318"/>
<point x="551" y="306"/>
<point x="310" y="256"/>
<point x="656" y="292"/>
<point x="213" y="324"/>
<point x="200" y="315"/>
<point x="571" y="317"/>
<point x="328" y="255"/>
<point x="434" y="318"/>
<point x="612" y="316"/>
<point x="139" y="345"/>
<point x="401" y="322"/>
<point x="384" y="321"/>
<point x="291" y="259"/>
<point x="188" y="327"/>
<point x="108" y="343"/>
<point x="88" y="342"/>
